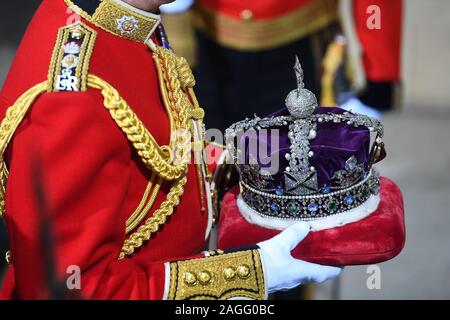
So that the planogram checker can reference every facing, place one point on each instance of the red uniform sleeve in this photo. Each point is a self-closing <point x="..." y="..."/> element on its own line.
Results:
<point x="83" y="159"/>
<point x="381" y="47"/>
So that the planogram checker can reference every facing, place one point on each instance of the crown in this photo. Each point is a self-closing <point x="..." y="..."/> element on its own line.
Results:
<point x="307" y="163"/>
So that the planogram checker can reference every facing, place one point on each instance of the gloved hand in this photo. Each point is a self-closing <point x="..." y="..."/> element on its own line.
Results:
<point x="282" y="271"/>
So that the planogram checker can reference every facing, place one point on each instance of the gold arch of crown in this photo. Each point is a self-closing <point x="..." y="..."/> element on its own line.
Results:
<point x="176" y="82"/>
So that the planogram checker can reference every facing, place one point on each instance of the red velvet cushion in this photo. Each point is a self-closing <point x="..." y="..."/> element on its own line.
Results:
<point x="377" y="238"/>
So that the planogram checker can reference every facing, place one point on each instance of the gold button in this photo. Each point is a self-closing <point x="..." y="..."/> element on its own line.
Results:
<point x="190" y="279"/>
<point x="229" y="273"/>
<point x="204" y="277"/>
<point x="198" y="113"/>
<point x="243" y="271"/>
<point x="246" y="14"/>
<point x="220" y="251"/>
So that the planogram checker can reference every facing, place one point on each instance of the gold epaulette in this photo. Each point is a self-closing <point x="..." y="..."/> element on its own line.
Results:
<point x="69" y="66"/>
<point x="218" y="277"/>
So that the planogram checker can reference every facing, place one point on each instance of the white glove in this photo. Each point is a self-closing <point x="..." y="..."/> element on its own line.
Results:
<point x="355" y="105"/>
<point x="282" y="271"/>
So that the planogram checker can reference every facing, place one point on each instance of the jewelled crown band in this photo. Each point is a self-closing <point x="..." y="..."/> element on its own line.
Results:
<point x="311" y="207"/>
<point x="324" y="159"/>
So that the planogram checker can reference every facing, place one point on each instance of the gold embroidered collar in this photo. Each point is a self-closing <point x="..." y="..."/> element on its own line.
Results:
<point x="117" y="17"/>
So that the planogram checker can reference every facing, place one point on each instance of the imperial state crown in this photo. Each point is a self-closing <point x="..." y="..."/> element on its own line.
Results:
<point x="313" y="164"/>
<point x="307" y="163"/>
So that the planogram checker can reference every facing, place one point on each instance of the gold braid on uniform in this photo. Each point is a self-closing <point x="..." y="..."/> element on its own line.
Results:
<point x="176" y="101"/>
<point x="159" y="217"/>
<point x="156" y="158"/>
<point x="125" y="118"/>
<point x="147" y="149"/>
<point x="178" y="105"/>
<point x="221" y="276"/>
<point x="146" y="204"/>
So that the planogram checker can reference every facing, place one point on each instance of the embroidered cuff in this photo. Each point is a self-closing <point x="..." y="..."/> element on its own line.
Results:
<point x="220" y="276"/>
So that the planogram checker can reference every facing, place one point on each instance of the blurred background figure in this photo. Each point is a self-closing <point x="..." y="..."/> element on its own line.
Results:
<point x="244" y="51"/>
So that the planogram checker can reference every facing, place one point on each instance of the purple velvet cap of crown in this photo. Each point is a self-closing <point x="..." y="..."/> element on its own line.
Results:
<point x="334" y="144"/>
